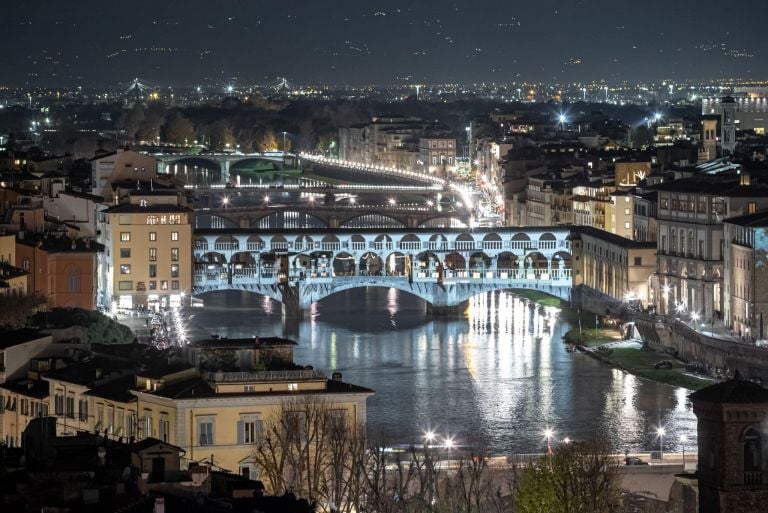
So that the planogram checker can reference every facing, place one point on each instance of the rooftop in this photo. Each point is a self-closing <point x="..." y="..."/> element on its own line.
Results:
<point x="756" y="220"/>
<point x="15" y="338"/>
<point x="37" y="388"/>
<point x="734" y="391"/>
<point x="612" y="238"/>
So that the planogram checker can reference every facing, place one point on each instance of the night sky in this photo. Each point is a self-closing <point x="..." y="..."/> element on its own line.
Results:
<point x="191" y="42"/>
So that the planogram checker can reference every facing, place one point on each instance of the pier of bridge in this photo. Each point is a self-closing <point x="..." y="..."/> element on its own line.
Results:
<point x="445" y="268"/>
<point x="225" y="161"/>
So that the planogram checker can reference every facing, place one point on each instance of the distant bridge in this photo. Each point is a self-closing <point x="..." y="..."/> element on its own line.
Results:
<point x="444" y="267"/>
<point x="224" y="161"/>
<point x="266" y="216"/>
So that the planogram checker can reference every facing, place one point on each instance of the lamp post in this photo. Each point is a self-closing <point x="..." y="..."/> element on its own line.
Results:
<point x="548" y="434"/>
<point x="660" y="434"/>
<point x="683" y="439"/>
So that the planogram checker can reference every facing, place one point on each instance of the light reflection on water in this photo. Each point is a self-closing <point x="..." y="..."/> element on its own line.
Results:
<point x="498" y="377"/>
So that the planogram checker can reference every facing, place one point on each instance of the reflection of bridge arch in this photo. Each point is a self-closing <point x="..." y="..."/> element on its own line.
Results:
<point x="195" y="170"/>
<point x="372" y="221"/>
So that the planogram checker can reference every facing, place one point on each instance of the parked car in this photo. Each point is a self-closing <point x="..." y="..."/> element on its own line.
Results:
<point x="632" y="460"/>
<point x="664" y="364"/>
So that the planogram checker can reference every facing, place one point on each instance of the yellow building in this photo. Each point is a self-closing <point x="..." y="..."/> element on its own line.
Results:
<point x="613" y="265"/>
<point x="148" y="256"/>
<point x="219" y="415"/>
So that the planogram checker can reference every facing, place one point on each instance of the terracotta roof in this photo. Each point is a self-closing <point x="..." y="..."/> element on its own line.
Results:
<point x="733" y="391"/>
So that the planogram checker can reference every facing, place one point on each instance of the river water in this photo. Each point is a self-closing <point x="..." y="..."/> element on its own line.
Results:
<point x="498" y="377"/>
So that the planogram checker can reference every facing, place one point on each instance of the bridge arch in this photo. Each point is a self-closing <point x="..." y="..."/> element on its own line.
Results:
<point x="243" y="258"/>
<point x="371" y="264"/>
<point x="536" y="261"/>
<point x="289" y="219"/>
<point x="547" y="241"/>
<point x="304" y="243"/>
<point x="255" y="243"/>
<point x="212" y="257"/>
<point x="194" y="170"/>
<point x="344" y="264"/>
<point x="479" y="261"/>
<point x="372" y="221"/>
<point x="205" y="221"/>
<point x="397" y="264"/>
<point x="455" y="261"/>
<point x="507" y="260"/>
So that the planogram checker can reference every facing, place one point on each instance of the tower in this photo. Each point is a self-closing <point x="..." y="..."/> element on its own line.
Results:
<point x="733" y="445"/>
<point x="709" y="138"/>
<point x="728" y="124"/>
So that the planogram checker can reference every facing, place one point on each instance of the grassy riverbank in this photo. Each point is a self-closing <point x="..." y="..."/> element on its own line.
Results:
<point x="539" y="297"/>
<point x="640" y="362"/>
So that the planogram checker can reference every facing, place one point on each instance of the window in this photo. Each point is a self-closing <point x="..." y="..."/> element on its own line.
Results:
<point x="751" y="207"/>
<point x="153" y="285"/>
<point x="125" y="285"/>
<point x="638" y="261"/>
<point x="174" y="270"/>
<point x="125" y="236"/>
<point x="73" y="280"/>
<point x="152" y="236"/>
<point x="125" y="268"/>
<point x="175" y="284"/>
<point x="58" y="404"/>
<point x="146" y="426"/>
<point x="205" y="426"/>
<point x="753" y="461"/>
<point x="25" y="407"/>
<point x="293" y="387"/>
<point x="100" y="416"/>
<point x="82" y="406"/>
<point x="174" y="219"/>
<point x="174" y="254"/>
<point x="153" y="270"/>
<point x="25" y="265"/>
<point x="174" y="235"/>
<point x="164" y="285"/>
<point x="153" y="254"/>
<point x="69" y="406"/>
<point x="153" y="219"/>
<point x="250" y="429"/>
<point x="164" y="427"/>
<point x="125" y="252"/>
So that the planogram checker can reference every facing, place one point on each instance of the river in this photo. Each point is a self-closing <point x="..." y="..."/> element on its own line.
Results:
<point x="498" y="377"/>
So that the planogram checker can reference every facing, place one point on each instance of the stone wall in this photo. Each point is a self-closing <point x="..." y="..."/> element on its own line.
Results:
<point x="690" y="346"/>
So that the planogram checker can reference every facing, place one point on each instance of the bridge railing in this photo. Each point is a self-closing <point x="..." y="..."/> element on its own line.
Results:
<point x="254" y="246"/>
<point x="226" y="246"/>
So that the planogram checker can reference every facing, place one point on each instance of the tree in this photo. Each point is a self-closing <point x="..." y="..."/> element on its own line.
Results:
<point x="179" y="130"/>
<point x="221" y="134"/>
<point x="642" y="136"/>
<point x="266" y="140"/>
<point x="130" y="121"/>
<point x="578" y="477"/>
<point x="15" y="310"/>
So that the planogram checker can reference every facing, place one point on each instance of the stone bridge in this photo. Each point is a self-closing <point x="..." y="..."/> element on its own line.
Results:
<point x="444" y="267"/>
<point x="224" y="160"/>
<point x="318" y="217"/>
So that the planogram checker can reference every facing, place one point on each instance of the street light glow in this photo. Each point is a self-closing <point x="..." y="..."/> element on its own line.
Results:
<point x="429" y="436"/>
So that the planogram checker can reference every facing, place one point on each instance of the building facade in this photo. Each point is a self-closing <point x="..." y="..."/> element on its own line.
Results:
<point x="147" y="259"/>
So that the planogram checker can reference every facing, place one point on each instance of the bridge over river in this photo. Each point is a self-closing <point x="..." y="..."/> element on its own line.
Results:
<point x="445" y="267"/>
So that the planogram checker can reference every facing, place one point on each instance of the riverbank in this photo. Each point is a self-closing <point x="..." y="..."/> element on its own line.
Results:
<point x="605" y="343"/>
<point x="641" y="362"/>
<point x="540" y="298"/>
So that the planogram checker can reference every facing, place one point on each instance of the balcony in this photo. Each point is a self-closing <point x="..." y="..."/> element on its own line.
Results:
<point x="264" y="376"/>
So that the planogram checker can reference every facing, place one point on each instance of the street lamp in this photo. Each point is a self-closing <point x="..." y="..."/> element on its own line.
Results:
<point x="429" y="436"/>
<point x="683" y="439"/>
<point x="449" y="442"/>
<point x="548" y="434"/>
<point x="392" y="201"/>
<point x="660" y="434"/>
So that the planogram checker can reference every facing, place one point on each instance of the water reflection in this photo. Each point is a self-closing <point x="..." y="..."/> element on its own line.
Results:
<point x="498" y="377"/>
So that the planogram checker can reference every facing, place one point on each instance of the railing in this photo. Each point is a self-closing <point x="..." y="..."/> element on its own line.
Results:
<point x="226" y="246"/>
<point x="261" y="376"/>
<point x="410" y="246"/>
<point x="753" y="477"/>
<point x="255" y="246"/>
